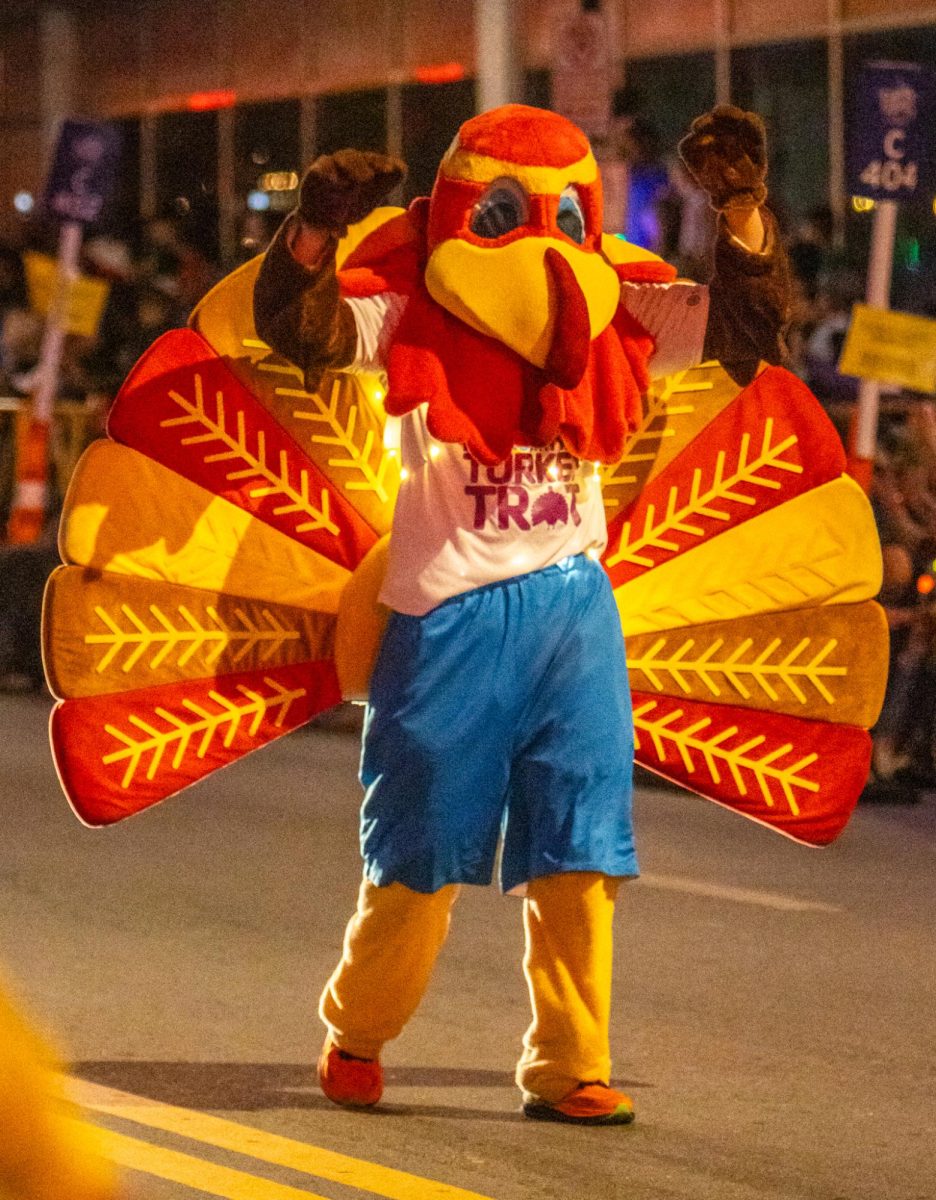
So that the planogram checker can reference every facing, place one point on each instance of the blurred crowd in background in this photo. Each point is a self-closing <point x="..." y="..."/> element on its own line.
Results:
<point x="158" y="272"/>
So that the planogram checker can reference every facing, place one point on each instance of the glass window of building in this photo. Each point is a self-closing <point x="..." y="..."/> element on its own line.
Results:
<point x="267" y="168"/>
<point x="432" y="114"/>
<point x="187" y="175"/>
<point x="786" y="84"/>
<point x="356" y="119"/>
<point x="668" y="92"/>
<point x="123" y="213"/>
<point x="266" y="143"/>
<point x="537" y="87"/>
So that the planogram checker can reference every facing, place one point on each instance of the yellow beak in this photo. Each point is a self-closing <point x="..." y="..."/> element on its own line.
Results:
<point x="540" y="296"/>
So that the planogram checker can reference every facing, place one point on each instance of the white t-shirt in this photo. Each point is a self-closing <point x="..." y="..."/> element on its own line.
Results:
<point x="459" y="525"/>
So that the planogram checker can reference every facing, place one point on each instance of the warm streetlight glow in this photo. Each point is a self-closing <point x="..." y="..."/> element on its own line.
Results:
<point x="450" y="72"/>
<point x="206" y="101"/>
<point x="862" y="204"/>
<point x="278" y="181"/>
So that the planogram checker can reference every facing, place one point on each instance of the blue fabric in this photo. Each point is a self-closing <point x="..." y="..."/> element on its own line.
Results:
<point x="503" y="710"/>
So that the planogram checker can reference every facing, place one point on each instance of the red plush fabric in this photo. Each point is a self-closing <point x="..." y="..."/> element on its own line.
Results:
<point x="389" y="259"/>
<point x="652" y="271"/>
<point x="526" y="136"/>
<point x="483" y="394"/>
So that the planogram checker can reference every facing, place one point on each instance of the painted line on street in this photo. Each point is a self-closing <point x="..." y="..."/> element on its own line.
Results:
<point x="195" y="1173"/>
<point x="716" y="891"/>
<point x="266" y="1147"/>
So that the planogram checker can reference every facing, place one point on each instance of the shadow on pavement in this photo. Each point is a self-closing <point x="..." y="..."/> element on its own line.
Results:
<point x="254" y="1086"/>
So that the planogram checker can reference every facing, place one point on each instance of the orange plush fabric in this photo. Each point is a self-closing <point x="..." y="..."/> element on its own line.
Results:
<point x="525" y="136"/>
<point x="480" y="392"/>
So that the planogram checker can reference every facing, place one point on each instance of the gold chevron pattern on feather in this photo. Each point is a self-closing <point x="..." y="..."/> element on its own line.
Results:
<point x="276" y="481"/>
<point x="195" y="736"/>
<point x="707" y="502"/>
<point x="746" y="668"/>
<point x="370" y="472"/>
<point x="703" y="742"/>
<point x="184" y="635"/>
<point x="668" y="399"/>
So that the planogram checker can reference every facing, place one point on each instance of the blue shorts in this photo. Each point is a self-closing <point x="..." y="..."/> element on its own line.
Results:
<point x="503" y="712"/>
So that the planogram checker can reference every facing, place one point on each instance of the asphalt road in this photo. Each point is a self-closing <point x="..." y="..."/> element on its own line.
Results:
<point x="775" y="1012"/>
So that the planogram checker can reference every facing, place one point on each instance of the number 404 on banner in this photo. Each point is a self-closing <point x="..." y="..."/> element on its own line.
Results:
<point x="891" y="131"/>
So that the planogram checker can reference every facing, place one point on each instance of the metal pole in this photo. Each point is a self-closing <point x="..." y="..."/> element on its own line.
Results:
<point x="880" y="269"/>
<point x="497" y="51"/>
<point x="27" y="512"/>
<point x="149" y="193"/>
<point x="227" y="191"/>
<point x="722" y="52"/>
<point x="836" y="128"/>
<point x="56" y="327"/>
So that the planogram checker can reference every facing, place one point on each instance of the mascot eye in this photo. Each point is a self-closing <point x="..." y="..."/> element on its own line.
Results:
<point x="503" y="208"/>
<point x="571" y="219"/>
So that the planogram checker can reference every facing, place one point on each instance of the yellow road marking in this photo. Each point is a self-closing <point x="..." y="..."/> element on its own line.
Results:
<point x="266" y="1147"/>
<point x="195" y="1172"/>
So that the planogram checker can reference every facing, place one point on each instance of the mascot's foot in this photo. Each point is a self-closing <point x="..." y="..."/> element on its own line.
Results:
<point x="353" y="1082"/>
<point x="587" y="1104"/>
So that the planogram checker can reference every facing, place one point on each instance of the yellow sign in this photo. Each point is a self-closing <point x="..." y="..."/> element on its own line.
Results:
<point x="891" y="347"/>
<point x="85" y="303"/>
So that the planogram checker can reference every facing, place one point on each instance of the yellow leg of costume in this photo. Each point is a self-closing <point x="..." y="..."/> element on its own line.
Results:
<point x="568" y="921"/>
<point x="46" y="1152"/>
<point x="390" y="948"/>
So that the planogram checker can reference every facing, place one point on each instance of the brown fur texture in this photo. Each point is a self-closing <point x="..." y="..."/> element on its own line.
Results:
<point x="725" y="151"/>
<point x="749" y="303"/>
<point x="342" y="188"/>
<point x="297" y="310"/>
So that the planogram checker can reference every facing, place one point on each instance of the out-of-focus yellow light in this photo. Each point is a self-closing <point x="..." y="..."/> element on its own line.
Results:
<point x="404" y="474"/>
<point x="861" y="204"/>
<point x="434" y="451"/>
<point x="278" y="181"/>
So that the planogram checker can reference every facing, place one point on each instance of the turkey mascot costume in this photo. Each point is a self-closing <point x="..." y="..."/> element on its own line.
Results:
<point x="440" y="459"/>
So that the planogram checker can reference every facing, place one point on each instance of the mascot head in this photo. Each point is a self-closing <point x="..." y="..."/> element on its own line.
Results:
<point x="513" y="334"/>
<point x="514" y="238"/>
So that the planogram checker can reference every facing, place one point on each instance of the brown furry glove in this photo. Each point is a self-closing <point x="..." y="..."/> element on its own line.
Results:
<point x="725" y="151"/>
<point x="339" y="189"/>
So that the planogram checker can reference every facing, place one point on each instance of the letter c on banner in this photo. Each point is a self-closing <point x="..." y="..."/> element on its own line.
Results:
<point x="893" y="143"/>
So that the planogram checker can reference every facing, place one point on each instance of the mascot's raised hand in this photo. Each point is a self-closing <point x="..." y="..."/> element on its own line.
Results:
<point x="340" y="189"/>
<point x="726" y="153"/>
<point x="337" y="190"/>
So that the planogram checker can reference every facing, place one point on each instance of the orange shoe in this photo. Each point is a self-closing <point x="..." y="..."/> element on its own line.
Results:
<point x="586" y="1104"/>
<point x="353" y="1082"/>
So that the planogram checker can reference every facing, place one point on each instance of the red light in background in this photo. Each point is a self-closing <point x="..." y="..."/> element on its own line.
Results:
<point x="206" y="101"/>
<point x="926" y="584"/>
<point x="449" y="72"/>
